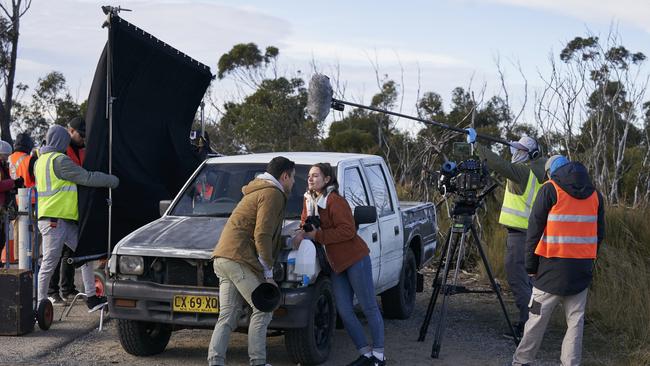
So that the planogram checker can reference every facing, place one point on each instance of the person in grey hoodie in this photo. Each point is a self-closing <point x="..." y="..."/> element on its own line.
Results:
<point x="57" y="177"/>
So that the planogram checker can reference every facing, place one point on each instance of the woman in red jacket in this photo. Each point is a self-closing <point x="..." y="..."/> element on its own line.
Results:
<point x="348" y="255"/>
<point x="6" y="185"/>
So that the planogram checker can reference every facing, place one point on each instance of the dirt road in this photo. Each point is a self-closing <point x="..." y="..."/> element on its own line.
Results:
<point x="473" y="336"/>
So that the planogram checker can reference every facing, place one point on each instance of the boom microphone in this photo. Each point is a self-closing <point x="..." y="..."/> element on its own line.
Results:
<point x="319" y="97"/>
<point x="320" y="100"/>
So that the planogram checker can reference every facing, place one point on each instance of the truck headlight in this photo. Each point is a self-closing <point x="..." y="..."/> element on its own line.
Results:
<point x="131" y="265"/>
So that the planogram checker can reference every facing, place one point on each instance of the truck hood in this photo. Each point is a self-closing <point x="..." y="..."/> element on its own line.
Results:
<point x="174" y="236"/>
<point x="178" y="237"/>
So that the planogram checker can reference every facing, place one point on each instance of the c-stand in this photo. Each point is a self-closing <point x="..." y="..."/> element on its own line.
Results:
<point x="462" y="222"/>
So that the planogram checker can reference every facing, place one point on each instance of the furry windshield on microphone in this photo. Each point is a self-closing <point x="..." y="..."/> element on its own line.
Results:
<point x="319" y="97"/>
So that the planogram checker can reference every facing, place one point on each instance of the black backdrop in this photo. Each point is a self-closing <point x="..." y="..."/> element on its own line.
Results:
<point x="157" y="90"/>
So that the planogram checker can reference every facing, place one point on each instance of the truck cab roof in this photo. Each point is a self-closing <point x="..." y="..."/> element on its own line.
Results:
<point x="301" y="158"/>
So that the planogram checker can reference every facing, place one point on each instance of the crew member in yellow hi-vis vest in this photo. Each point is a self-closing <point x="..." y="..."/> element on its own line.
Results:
<point x="525" y="175"/>
<point x="57" y="178"/>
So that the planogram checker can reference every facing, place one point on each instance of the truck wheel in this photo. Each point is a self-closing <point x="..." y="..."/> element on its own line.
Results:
<point x="311" y="345"/>
<point x="143" y="338"/>
<point x="398" y="302"/>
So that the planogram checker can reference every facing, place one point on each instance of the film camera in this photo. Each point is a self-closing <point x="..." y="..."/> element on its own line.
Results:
<point x="311" y="223"/>
<point x="467" y="179"/>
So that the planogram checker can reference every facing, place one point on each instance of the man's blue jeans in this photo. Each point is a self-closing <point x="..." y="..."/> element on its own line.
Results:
<point x="357" y="280"/>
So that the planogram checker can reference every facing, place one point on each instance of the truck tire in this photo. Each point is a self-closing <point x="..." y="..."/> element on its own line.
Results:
<point x="398" y="302"/>
<point x="143" y="338"/>
<point x="311" y="345"/>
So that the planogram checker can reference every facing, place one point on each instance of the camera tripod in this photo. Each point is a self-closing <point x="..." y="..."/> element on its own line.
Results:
<point x="455" y="247"/>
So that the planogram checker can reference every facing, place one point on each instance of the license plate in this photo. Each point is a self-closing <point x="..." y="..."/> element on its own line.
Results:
<point x="195" y="304"/>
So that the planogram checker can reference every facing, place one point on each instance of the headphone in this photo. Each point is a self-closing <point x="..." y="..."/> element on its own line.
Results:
<point x="535" y="153"/>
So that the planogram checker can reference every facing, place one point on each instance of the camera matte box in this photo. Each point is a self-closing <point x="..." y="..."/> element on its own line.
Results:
<point x="16" y="296"/>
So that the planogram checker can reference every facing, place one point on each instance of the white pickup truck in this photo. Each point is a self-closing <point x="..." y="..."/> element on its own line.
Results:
<point x="161" y="276"/>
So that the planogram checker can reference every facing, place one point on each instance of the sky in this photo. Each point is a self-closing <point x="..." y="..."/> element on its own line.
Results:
<point x="422" y="45"/>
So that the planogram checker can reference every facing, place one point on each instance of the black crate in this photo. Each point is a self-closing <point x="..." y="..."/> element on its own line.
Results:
<point x="16" y="301"/>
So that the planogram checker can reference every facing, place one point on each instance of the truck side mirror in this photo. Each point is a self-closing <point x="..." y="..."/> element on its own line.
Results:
<point x="365" y="215"/>
<point x="163" y="206"/>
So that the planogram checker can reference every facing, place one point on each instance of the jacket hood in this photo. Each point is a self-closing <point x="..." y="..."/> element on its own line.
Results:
<point x="257" y="184"/>
<point x="574" y="179"/>
<point x="57" y="140"/>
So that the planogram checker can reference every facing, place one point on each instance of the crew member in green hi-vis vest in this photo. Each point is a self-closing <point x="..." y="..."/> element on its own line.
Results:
<point x="525" y="174"/>
<point x="57" y="177"/>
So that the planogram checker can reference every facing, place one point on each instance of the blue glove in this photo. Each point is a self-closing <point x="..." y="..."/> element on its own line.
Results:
<point x="471" y="135"/>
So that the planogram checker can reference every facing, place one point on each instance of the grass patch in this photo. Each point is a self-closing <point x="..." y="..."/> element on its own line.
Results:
<point x="618" y="307"/>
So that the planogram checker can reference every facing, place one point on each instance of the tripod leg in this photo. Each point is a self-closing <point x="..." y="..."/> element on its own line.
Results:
<point x="496" y="289"/>
<point x="436" y="290"/>
<point x="447" y="290"/>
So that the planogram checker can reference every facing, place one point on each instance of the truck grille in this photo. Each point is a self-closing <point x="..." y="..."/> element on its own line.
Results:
<point x="179" y="272"/>
<point x="182" y="272"/>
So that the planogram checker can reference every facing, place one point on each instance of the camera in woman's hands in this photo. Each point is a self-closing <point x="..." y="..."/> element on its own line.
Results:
<point x="311" y="223"/>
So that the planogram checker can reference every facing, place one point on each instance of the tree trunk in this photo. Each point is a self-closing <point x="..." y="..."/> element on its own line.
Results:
<point x="5" y="110"/>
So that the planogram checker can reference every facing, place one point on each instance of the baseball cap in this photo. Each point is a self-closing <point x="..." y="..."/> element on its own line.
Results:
<point x="555" y="162"/>
<point x="78" y="124"/>
<point x="525" y="143"/>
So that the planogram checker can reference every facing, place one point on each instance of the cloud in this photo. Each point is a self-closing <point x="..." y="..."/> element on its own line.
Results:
<point x="632" y="12"/>
<point x="336" y="52"/>
<point x="66" y="35"/>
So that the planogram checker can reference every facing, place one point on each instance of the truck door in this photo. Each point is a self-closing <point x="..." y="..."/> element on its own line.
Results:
<point x="356" y="193"/>
<point x="390" y="226"/>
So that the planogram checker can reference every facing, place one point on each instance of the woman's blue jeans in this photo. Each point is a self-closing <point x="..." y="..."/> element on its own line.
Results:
<point x="357" y="280"/>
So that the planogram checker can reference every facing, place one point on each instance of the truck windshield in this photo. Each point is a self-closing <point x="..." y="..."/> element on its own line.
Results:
<point x="216" y="190"/>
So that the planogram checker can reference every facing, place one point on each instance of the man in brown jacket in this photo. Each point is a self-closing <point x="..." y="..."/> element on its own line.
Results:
<point x="244" y="257"/>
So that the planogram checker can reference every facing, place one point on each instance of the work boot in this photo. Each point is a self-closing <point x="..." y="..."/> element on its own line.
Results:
<point x="95" y="303"/>
<point x="361" y="361"/>
<point x="56" y="300"/>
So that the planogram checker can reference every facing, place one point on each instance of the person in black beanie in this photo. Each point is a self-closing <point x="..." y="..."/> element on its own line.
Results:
<point x="21" y="167"/>
<point x="77" y="148"/>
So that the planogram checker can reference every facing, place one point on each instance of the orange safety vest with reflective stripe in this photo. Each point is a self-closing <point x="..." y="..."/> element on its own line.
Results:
<point x="571" y="228"/>
<point x="19" y="167"/>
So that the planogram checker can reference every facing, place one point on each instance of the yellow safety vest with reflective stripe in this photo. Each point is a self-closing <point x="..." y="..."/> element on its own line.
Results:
<point x="57" y="198"/>
<point x="516" y="208"/>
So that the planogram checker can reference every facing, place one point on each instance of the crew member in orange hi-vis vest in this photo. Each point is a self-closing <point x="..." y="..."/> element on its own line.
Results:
<point x="21" y="166"/>
<point x="21" y="162"/>
<point x="565" y="229"/>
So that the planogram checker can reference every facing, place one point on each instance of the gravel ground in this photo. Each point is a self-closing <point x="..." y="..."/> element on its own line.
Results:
<point x="473" y="336"/>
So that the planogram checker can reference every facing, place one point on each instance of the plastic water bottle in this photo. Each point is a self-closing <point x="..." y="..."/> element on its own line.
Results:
<point x="291" y="266"/>
<point x="306" y="261"/>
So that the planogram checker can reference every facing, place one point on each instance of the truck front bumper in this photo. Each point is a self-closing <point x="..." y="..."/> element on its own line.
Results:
<point x="152" y="302"/>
